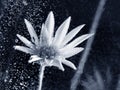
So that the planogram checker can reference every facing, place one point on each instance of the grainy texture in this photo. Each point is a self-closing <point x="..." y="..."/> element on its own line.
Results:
<point x="16" y="73"/>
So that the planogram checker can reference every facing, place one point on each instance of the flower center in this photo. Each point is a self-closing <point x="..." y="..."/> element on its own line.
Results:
<point x="48" y="52"/>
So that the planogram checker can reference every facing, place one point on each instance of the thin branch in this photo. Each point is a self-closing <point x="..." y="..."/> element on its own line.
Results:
<point x="82" y="62"/>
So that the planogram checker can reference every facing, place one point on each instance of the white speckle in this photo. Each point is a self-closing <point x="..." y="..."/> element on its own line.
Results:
<point x="5" y="80"/>
<point x="16" y="40"/>
<point x="21" y="84"/>
<point x="10" y="80"/>
<point x="25" y="3"/>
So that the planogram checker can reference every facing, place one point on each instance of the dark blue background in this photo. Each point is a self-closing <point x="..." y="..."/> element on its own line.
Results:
<point x="14" y="65"/>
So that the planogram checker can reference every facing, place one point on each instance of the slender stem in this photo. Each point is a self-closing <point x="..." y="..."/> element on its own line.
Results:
<point x="41" y="73"/>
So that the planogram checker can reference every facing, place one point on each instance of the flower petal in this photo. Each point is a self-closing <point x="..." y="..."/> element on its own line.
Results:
<point x="24" y="49"/>
<point x="61" y="32"/>
<point x="49" y="62"/>
<point x="72" y="34"/>
<point x="49" y="23"/>
<point x="69" y="64"/>
<point x="57" y="63"/>
<point x="25" y="41"/>
<point x="34" y="58"/>
<point x="32" y="32"/>
<point x="70" y="52"/>
<point x="44" y="36"/>
<point x="77" y="41"/>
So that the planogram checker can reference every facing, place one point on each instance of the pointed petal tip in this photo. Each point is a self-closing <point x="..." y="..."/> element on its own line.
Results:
<point x="83" y="25"/>
<point x="69" y="18"/>
<point x="82" y="49"/>
<point x="51" y="13"/>
<point x="62" y="69"/>
<point x="75" y="68"/>
<point x="43" y="24"/>
<point x="91" y="34"/>
<point x="34" y="59"/>
<point x="29" y="61"/>
<point x="25" y="20"/>
<point x="14" y="47"/>
<point x="18" y="35"/>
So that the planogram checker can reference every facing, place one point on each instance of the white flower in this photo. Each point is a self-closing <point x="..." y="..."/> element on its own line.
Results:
<point x="49" y="49"/>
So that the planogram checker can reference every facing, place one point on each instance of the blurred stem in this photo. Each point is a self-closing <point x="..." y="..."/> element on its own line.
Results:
<point x="41" y="73"/>
<point x="93" y="29"/>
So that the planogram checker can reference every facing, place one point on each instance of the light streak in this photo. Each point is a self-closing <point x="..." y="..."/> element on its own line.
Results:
<point x="77" y="76"/>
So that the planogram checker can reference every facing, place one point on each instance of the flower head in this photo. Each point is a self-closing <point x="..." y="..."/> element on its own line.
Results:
<point x="49" y="49"/>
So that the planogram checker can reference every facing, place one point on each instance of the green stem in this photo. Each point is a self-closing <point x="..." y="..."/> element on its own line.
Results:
<point x="41" y="73"/>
